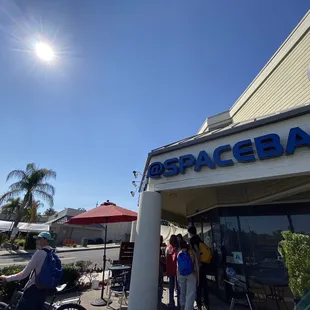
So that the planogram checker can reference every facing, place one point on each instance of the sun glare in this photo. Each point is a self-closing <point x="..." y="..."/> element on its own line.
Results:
<point x="44" y="51"/>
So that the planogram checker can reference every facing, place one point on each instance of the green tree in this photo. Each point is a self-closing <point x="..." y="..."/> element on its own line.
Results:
<point x="50" y="211"/>
<point x="31" y="214"/>
<point x="31" y="183"/>
<point x="295" y="251"/>
<point x="12" y="209"/>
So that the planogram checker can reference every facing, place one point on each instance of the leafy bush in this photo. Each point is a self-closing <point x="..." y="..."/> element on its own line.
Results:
<point x="295" y="250"/>
<point x="83" y="266"/>
<point x="7" y="290"/>
<point x="71" y="276"/>
<point x="11" y="270"/>
<point x="20" y="242"/>
<point x="3" y="238"/>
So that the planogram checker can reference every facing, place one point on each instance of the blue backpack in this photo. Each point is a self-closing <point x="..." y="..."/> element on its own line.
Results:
<point x="185" y="264"/>
<point x="51" y="272"/>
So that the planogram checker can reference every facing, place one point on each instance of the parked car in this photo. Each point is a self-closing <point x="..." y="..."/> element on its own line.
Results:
<point x="99" y="241"/>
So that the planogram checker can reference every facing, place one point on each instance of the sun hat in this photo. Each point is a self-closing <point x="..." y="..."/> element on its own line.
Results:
<point x="44" y="234"/>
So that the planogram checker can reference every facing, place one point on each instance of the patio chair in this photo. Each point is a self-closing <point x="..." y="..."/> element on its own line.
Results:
<point x="119" y="285"/>
<point x="239" y="292"/>
<point x="125" y="254"/>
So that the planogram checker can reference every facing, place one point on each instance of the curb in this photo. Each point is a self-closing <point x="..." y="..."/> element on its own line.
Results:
<point x="63" y="251"/>
<point x="88" y="249"/>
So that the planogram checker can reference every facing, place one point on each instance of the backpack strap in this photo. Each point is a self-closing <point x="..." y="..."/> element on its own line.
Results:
<point x="47" y="251"/>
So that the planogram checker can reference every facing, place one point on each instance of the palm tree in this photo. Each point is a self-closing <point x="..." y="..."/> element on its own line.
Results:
<point x="12" y="209"/>
<point x="50" y="211"/>
<point x="31" y="214"/>
<point x="32" y="183"/>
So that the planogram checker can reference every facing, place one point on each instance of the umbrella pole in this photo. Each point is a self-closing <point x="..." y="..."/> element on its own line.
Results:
<point x="101" y="302"/>
<point x="104" y="257"/>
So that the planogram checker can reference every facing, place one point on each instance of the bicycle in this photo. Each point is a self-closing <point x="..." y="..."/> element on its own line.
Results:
<point x="66" y="304"/>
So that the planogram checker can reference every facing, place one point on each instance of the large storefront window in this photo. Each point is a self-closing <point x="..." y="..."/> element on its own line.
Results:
<point x="245" y="240"/>
<point x="301" y="223"/>
<point x="260" y="236"/>
<point x="230" y="248"/>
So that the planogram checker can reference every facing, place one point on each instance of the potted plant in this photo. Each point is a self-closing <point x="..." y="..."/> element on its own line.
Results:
<point x="295" y="251"/>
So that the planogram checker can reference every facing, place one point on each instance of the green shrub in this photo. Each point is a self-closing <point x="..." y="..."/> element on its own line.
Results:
<point x="20" y="242"/>
<point x="8" y="289"/>
<point x="3" y="238"/>
<point x="11" y="270"/>
<point x="295" y="251"/>
<point x="71" y="276"/>
<point x="83" y="266"/>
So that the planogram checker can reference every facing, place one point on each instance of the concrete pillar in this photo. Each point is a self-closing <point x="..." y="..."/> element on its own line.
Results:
<point x="133" y="231"/>
<point x="145" y="267"/>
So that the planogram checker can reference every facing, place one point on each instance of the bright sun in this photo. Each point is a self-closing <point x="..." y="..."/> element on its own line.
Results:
<point x="44" y="51"/>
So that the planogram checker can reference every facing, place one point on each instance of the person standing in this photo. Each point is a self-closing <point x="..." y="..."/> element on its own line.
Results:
<point x="179" y="239"/>
<point x="203" y="253"/>
<point x="162" y="270"/>
<point x="188" y="276"/>
<point x="171" y="269"/>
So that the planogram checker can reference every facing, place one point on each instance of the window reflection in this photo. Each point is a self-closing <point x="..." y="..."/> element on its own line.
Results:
<point x="260" y="236"/>
<point x="207" y="234"/>
<point x="301" y="223"/>
<point x="230" y="241"/>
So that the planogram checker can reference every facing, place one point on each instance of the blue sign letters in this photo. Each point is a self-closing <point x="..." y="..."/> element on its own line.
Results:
<point x="267" y="146"/>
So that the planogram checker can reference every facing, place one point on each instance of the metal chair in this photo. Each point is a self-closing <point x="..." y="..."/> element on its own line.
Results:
<point x="119" y="285"/>
<point x="239" y="291"/>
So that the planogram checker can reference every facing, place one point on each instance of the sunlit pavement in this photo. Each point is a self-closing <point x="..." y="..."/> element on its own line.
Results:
<point x="88" y="296"/>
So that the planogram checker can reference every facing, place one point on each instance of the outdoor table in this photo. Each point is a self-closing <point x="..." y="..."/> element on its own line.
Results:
<point x="118" y="269"/>
<point x="273" y="283"/>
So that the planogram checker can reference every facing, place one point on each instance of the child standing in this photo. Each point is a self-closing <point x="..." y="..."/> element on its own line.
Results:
<point x="188" y="276"/>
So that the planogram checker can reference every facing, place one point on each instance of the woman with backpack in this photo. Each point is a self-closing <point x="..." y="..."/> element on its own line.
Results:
<point x="188" y="276"/>
<point x="171" y="269"/>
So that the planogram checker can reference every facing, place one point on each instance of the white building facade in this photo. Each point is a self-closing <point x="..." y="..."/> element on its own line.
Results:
<point x="243" y="179"/>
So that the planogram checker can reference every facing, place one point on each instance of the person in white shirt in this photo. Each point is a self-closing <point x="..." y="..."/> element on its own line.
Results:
<point x="33" y="298"/>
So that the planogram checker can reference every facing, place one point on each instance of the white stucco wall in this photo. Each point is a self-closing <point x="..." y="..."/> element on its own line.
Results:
<point x="118" y="231"/>
<point x="277" y="167"/>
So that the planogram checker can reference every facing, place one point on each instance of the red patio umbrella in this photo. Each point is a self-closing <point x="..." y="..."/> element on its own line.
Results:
<point x="106" y="213"/>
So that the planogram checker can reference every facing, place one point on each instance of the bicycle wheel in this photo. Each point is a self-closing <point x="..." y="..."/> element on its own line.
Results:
<point x="70" y="307"/>
<point x="3" y="306"/>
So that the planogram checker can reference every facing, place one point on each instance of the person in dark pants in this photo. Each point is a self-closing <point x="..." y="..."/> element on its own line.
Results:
<point x="202" y="289"/>
<point x="162" y="270"/>
<point x="171" y="269"/>
<point x="33" y="298"/>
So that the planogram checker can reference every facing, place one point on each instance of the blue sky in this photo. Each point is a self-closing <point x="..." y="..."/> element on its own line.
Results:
<point x="130" y="76"/>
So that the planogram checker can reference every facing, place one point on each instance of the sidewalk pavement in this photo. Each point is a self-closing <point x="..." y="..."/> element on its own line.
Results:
<point x="90" y="295"/>
<point x="4" y="252"/>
